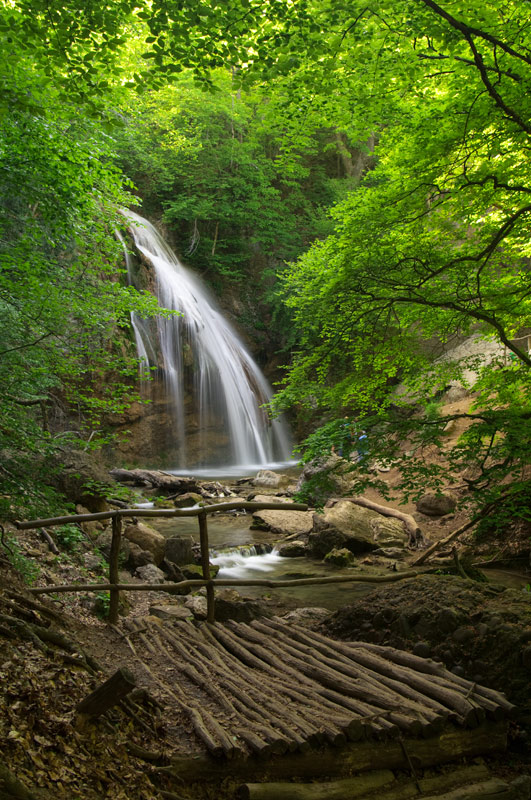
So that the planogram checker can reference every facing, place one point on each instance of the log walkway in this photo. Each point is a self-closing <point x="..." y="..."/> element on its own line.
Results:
<point x="269" y="688"/>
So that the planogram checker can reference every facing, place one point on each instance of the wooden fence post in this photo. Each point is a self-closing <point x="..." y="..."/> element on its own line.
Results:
<point x="113" y="568"/>
<point x="205" y="564"/>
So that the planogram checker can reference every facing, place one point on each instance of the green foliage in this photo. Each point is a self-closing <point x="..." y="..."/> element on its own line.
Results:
<point x="69" y="536"/>
<point x="26" y="567"/>
<point x="434" y="244"/>
<point x="102" y="602"/>
<point x="62" y="300"/>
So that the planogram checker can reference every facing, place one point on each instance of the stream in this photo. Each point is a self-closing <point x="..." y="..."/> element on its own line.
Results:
<point x="234" y="546"/>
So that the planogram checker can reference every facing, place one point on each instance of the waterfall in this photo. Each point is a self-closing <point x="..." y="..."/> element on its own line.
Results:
<point x="217" y="391"/>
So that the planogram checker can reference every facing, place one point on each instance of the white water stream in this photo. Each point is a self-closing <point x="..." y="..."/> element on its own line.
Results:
<point x="205" y="368"/>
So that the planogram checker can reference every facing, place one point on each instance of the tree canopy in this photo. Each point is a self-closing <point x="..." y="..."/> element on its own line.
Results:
<point x="409" y="120"/>
<point x="434" y="245"/>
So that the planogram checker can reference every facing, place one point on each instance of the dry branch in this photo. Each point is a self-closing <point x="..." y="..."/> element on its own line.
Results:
<point x="234" y="505"/>
<point x="170" y="588"/>
<point x="443" y="542"/>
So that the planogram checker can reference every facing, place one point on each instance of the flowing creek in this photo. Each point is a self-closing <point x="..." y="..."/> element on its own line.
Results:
<point x="234" y="549"/>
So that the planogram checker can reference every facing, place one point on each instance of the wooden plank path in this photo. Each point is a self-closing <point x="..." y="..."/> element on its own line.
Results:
<point x="270" y="688"/>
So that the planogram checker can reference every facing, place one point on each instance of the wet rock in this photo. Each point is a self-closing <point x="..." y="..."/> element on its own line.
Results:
<point x="149" y="573"/>
<point x="283" y="522"/>
<point x="173" y="573"/>
<point x="193" y="572"/>
<point x="306" y="617"/>
<point x="339" y="557"/>
<point x="179" y="549"/>
<point x="294" y="549"/>
<point x="270" y="479"/>
<point x="436" y="504"/>
<point x="187" y="500"/>
<point x="147" y="539"/>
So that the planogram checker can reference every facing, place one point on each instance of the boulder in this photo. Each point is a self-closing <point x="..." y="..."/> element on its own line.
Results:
<point x="138" y="557"/>
<point x="197" y="605"/>
<point x="187" y="500"/>
<point x="194" y="572"/>
<point x="170" y="611"/>
<point x="103" y="543"/>
<point x="270" y="479"/>
<point x="149" y="573"/>
<point x="359" y="529"/>
<point x="242" y="610"/>
<point x="436" y="504"/>
<point x="293" y="549"/>
<point x="79" y="476"/>
<point x="283" y="522"/>
<point x="339" y="557"/>
<point x="147" y="539"/>
<point x="306" y="617"/>
<point x="179" y="549"/>
<point x="92" y="529"/>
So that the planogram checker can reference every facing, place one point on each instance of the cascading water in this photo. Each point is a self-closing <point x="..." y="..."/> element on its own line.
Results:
<point x="217" y="390"/>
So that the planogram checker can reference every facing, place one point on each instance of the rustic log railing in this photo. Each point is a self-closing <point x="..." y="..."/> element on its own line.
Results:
<point x="114" y="587"/>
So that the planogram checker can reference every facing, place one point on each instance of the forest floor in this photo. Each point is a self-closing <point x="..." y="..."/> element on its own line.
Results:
<point x="479" y="631"/>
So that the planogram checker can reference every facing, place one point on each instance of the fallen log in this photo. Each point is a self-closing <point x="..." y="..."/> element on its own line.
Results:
<point x="453" y="744"/>
<point x="107" y="695"/>
<point x="338" y="790"/>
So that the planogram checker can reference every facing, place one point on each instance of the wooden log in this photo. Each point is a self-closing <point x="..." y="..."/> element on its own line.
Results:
<point x="433" y="713"/>
<point x="453" y="745"/>
<point x="337" y="790"/>
<point x="113" y="568"/>
<point x="408" y="702"/>
<point x="331" y="702"/>
<point x="333" y="679"/>
<point x="214" y="747"/>
<point x="312" y="688"/>
<point x="494" y="789"/>
<point x="233" y="505"/>
<point x="430" y="667"/>
<point x="446" y="694"/>
<point x="107" y="695"/>
<point x="205" y="566"/>
<point x="390" y="789"/>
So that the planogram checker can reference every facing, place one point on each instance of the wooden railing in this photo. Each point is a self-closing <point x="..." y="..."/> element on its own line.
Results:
<point x="114" y="587"/>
